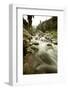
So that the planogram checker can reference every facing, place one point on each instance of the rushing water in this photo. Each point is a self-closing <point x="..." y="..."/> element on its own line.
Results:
<point x="44" y="59"/>
<point x="47" y="51"/>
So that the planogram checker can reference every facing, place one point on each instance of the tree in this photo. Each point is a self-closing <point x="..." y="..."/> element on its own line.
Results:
<point x="29" y="18"/>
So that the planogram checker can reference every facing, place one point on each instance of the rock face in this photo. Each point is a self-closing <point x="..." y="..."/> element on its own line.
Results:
<point x="26" y="34"/>
<point x="26" y="40"/>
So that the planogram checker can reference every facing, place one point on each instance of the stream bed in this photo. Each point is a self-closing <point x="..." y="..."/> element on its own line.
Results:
<point x="42" y="56"/>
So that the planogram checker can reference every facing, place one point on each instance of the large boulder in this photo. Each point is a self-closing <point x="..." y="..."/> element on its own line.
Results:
<point x="45" y="68"/>
<point x="35" y="48"/>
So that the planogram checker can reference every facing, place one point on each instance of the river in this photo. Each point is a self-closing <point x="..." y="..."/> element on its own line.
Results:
<point x="44" y="58"/>
<point x="47" y="52"/>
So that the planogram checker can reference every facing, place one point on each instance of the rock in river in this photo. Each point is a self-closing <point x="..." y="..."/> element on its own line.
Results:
<point x="35" y="48"/>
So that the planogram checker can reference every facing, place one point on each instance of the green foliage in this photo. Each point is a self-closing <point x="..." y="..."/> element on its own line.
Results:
<point x="54" y="34"/>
